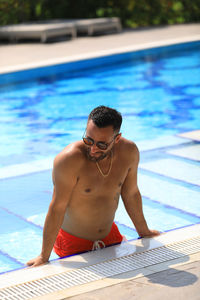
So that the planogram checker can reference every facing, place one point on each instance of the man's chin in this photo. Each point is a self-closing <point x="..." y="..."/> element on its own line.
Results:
<point x="96" y="158"/>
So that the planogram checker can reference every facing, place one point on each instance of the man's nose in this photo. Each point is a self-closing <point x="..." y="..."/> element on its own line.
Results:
<point x="93" y="148"/>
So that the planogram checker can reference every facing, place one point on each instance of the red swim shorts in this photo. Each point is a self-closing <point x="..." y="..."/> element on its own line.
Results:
<point x="67" y="244"/>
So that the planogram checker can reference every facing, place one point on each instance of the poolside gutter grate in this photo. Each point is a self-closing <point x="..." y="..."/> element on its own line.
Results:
<point x="58" y="282"/>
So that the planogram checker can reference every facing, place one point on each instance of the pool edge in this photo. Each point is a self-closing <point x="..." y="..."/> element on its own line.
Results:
<point x="98" y="54"/>
<point x="79" y="261"/>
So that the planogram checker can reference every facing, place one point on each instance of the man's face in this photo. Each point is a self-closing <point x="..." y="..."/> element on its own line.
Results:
<point x="99" y="135"/>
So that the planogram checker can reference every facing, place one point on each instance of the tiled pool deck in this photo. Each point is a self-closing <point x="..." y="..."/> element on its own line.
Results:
<point x="176" y="278"/>
<point x="22" y="55"/>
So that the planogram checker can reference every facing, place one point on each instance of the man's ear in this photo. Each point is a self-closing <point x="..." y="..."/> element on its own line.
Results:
<point x="118" y="137"/>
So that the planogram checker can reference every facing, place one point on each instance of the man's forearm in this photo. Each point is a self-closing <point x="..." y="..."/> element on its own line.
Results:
<point x="135" y="211"/>
<point x="52" y="225"/>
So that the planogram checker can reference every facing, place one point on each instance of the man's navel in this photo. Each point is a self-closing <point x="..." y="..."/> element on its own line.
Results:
<point x="88" y="190"/>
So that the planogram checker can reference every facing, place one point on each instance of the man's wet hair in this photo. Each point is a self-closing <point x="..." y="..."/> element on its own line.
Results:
<point x="104" y="116"/>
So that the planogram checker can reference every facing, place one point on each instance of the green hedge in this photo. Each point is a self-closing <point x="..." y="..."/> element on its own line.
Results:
<point x="133" y="13"/>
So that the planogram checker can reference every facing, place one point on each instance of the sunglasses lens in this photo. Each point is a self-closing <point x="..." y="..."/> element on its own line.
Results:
<point x="102" y="146"/>
<point x="88" y="141"/>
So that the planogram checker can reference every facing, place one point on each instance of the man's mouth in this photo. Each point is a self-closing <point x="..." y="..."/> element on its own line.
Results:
<point x="95" y="156"/>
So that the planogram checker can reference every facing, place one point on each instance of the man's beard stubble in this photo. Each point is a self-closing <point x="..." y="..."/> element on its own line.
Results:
<point x="96" y="159"/>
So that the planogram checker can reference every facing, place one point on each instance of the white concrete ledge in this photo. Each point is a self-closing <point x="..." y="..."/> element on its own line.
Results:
<point x="98" y="54"/>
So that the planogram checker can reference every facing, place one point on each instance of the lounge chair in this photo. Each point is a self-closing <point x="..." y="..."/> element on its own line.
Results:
<point x="52" y="28"/>
<point x="91" y="26"/>
<point x="37" y="30"/>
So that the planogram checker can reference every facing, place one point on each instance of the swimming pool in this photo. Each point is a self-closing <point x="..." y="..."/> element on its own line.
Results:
<point x="42" y="110"/>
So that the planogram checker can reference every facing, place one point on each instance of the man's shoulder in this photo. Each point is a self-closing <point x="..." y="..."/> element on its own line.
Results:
<point x="128" y="152"/>
<point x="68" y="163"/>
<point x="128" y="146"/>
<point x="71" y="155"/>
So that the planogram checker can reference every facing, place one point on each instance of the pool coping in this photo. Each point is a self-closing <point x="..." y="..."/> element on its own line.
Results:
<point x="76" y="262"/>
<point x="98" y="54"/>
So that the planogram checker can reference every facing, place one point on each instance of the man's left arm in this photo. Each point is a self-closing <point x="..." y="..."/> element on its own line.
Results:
<point x="132" y="198"/>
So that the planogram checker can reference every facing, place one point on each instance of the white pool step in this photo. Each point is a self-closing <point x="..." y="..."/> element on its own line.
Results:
<point x="174" y="168"/>
<point x="26" y="168"/>
<point x="169" y="193"/>
<point x="193" y="135"/>
<point x="190" y="152"/>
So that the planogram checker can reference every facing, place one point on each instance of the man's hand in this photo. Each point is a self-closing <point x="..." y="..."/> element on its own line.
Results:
<point x="35" y="262"/>
<point x="150" y="233"/>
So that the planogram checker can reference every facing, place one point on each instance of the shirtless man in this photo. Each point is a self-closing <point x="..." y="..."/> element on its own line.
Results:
<point x="89" y="176"/>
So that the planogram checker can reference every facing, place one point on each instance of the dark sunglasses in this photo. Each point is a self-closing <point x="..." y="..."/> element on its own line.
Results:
<point x="101" y="145"/>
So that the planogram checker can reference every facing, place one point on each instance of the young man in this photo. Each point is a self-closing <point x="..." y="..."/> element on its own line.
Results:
<point x="89" y="176"/>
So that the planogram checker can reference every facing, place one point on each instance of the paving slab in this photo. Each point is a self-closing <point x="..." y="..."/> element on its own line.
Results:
<point x="180" y="283"/>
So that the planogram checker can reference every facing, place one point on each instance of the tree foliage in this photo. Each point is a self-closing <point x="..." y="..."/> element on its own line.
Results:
<point x="133" y="13"/>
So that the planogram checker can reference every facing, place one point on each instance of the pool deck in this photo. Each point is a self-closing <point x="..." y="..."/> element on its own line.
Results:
<point x="32" y="54"/>
<point x="182" y="281"/>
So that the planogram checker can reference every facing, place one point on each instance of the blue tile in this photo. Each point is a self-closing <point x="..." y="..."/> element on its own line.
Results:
<point x="19" y="238"/>
<point x="129" y="233"/>
<point x="8" y="264"/>
<point x="163" y="218"/>
<point x="158" y="216"/>
<point x="170" y="193"/>
<point x="27" y="195"/>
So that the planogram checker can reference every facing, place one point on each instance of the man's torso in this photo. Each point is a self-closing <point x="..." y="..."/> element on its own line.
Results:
<point x="94" y="198"/>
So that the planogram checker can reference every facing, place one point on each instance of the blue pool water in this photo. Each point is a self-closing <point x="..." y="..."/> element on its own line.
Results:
<point x="41" y="111"/>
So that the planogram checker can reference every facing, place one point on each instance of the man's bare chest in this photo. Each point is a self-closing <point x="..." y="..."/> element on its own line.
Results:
<point x="91" y="181"/>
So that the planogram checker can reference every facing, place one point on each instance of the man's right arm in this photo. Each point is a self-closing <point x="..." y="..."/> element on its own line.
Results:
<point x="64" y="178"/>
